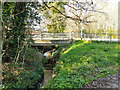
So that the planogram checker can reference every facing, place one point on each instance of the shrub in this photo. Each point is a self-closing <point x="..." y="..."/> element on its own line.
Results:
<point x="23" y="76"/>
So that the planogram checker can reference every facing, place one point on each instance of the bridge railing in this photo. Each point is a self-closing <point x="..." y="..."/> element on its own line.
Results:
<point x="97" y="36"/>
<point x="52" y="36"/>
<point x="76" y="36"/>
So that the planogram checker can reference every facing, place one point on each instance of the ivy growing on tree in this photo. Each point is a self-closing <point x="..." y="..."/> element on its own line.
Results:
<point x="18" y="58"/>
<point x="18" y="18"/>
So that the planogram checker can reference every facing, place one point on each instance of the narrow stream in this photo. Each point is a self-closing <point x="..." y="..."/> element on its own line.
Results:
<point x="48" y="69"/>
<point x="48" y="73"/>
<point x="47" y="76"/>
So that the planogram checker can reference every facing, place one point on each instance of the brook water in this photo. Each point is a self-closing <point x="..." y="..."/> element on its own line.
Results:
<point x="48" y="68"/>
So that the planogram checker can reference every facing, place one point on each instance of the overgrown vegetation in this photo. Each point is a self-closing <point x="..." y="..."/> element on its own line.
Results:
<point x="21" y="64"/>
<point x="84" y="62"/>
<point x="25" y="75"/>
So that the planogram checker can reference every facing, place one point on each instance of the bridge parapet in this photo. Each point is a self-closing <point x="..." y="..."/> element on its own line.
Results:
<point x="52" y="36"/>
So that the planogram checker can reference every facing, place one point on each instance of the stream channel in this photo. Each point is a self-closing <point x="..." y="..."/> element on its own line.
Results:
<point x="48" y="67"/>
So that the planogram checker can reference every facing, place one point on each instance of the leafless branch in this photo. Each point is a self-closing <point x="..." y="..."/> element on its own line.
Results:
<point x="74" y="18"/>
<point x="86" y="9"/>
<point x="19" y="13"/>
<point x="60" y="12"/>
<point x="74" y="13"/>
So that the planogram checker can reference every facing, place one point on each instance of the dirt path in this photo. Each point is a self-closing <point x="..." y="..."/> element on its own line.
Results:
<point x="111" y="81"/>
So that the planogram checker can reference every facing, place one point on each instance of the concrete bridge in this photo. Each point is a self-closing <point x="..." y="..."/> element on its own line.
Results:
<point x="48" y="39"/>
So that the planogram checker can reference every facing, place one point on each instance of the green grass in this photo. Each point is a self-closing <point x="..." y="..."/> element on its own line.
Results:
<point x="83" y="62"/>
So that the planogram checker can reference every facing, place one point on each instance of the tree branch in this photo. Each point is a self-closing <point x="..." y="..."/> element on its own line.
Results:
<point x="60" y="12"/>
<point x="73" y="18"/>
<point x="18" y="13"/>
<point x="86" y="9"/>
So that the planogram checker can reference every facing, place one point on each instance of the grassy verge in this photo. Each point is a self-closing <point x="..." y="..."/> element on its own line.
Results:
<point x="83" y="62"/>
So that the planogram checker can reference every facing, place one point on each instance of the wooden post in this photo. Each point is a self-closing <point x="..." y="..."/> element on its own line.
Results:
<point x="91" y="36"/>
<point x="84" y="36"/>
<point x="40" y="35"/>
<point x="63" y="35"/>
<point x="70" y="35"/>
<point x="110" y="37"/>
<point x="106" y="35"/>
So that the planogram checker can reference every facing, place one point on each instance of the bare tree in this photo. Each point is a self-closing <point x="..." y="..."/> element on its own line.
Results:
<point x="77" y="5"/>
<point x="82" y="12"/>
